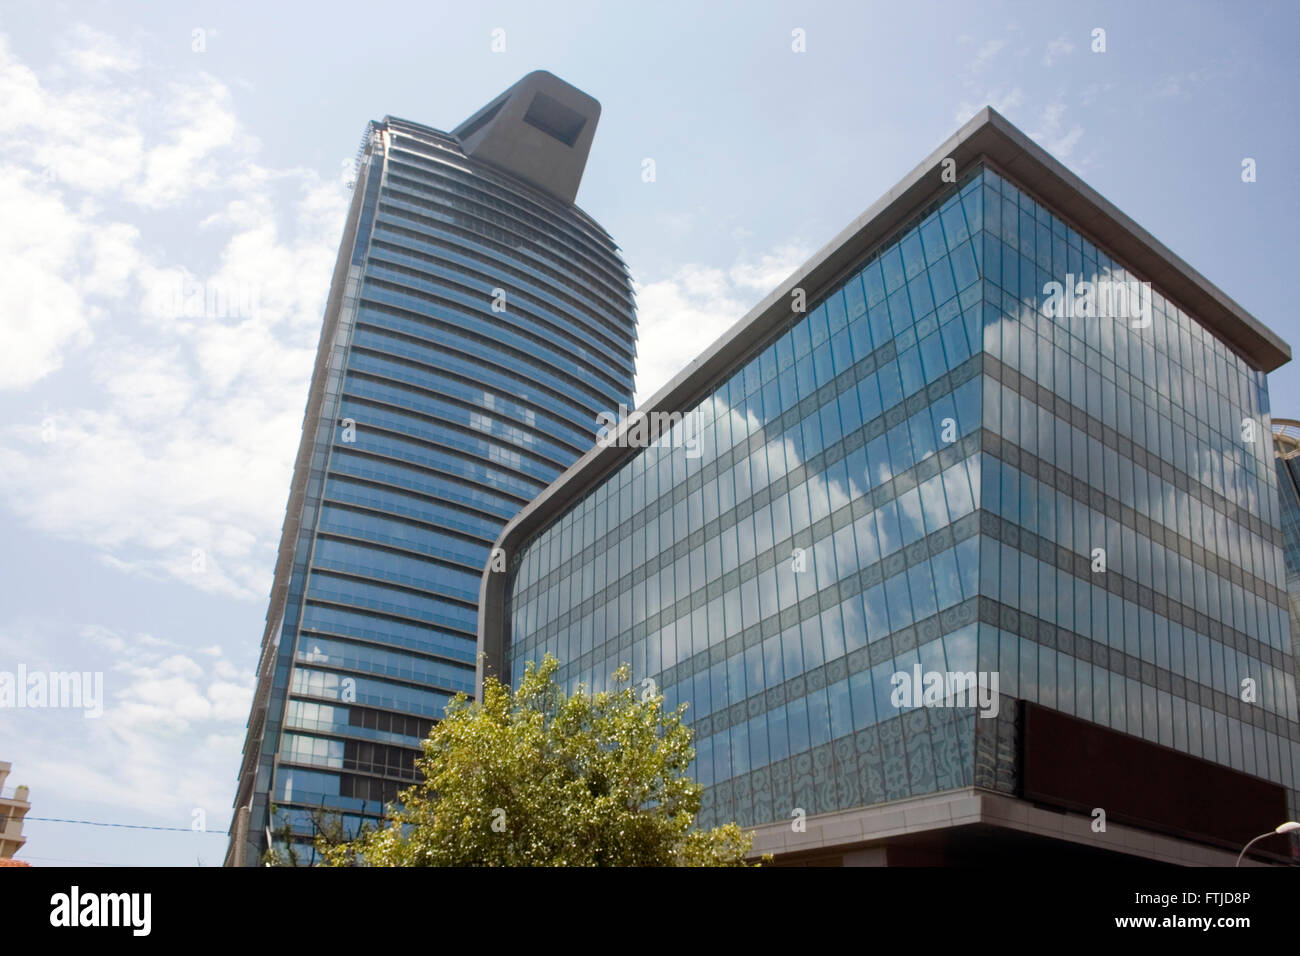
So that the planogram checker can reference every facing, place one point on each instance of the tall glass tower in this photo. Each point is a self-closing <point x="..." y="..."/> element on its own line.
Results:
<point x="477" y="324"/>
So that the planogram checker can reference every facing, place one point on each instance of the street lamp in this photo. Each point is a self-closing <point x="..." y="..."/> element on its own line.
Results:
<point x="1287" y="827"/>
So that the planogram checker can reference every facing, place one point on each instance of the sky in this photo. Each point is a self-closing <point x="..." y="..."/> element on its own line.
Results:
<point x="150" y="148"/>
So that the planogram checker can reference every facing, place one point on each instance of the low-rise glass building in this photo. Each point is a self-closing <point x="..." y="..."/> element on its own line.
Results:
<point x="995" y="442"/>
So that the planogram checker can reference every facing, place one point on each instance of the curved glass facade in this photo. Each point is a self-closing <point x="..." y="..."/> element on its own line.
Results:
<point x="931" y="470"/>
<point x="483" y="327"/>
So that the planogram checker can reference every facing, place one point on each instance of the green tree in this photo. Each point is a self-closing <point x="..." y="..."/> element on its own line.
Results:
<point x="538" y="777"/>
<point x="327" y="830"/>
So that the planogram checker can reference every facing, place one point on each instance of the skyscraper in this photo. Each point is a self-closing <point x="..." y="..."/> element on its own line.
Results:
<point x="478" y="323"/>
<point x="965" y="544"/>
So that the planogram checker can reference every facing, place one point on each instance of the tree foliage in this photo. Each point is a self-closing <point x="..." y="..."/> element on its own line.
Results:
<point x="328" y="829"/>
<point x="538" y="777"/>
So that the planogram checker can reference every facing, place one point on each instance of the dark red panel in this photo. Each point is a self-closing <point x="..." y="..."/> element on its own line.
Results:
<point x="1080" y="765"/>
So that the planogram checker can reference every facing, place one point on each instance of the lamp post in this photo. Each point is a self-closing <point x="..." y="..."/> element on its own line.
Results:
<point x="1287" y="827"/>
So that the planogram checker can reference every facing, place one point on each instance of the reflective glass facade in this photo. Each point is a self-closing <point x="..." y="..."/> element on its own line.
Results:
<point x="927" y="469"/>
<point x="482" y="326"/>
<point x="1286" y="448"/>
<point x="1148" y="443"/>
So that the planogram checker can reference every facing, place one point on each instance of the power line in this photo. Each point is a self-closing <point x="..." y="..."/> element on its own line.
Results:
<point x="125" y="826"/>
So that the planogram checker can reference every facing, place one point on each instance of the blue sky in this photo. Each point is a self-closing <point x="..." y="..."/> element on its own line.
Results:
<point x="145" y="456"/>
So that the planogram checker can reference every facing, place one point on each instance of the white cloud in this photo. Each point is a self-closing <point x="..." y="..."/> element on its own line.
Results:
<point x="166" y="447"/>
<point x="1057" y="48"/>
<point x="769" y="270"/>
<point x="1186" y="82"/>
<point x="985" y="56"/>
<point x="45" y="303"/>
<point x="681" y="315"/>
<point x="1054" y="134"/>
<point x="91" y="52"/>
<point x="1092" y="91"/>
<point x="1001" y="100"/>
<point x="202" y="123"/>
<point x="165" y="707"/>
